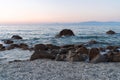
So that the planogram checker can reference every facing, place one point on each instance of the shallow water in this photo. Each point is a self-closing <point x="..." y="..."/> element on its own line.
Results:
<point x="45" y="33"/>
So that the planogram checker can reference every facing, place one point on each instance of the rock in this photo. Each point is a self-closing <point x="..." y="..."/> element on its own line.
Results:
<point x="2" y="48"/>
<point x="112" y="47"/>
<point x="8" y="41"/>
<point x="16" y="37"/>
<point x="78" y="46"/>
<point x="82" y="50"/>
<point x="12" y="46"/>
<point x="23" y="46"/>
<point x="102" y="49"/>
<point x="39" y="47"/>
<point x="73" y="56"/>
<point x="60" y="57"/>
<point x="99" y="58"/>
<point x="41" y="55"/>
<point x="65" y="32"/>
<point x="63" y="51"/>
<point x="93" y="53"/>
<point x="110" y="32"/>
<point x="116" y="57"/>
<point x="92" y="42"/>
<point x="67" y="46"/>
<point x="50" y="46"/>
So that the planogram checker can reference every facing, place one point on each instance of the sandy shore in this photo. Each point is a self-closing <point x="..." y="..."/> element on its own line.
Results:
<point x="54" y="70"/>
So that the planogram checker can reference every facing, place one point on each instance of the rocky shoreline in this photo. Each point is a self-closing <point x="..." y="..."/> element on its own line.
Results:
<point x="69" y="53"/>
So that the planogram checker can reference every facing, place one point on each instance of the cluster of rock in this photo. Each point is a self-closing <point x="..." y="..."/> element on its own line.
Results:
<point x="12" y="45"/>
<point x="76" y="53"/>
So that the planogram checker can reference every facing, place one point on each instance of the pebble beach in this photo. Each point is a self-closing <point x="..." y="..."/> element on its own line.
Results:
<point x="57" y="70"/>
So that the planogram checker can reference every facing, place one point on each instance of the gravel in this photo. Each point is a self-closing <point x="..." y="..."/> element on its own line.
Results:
<point x="57" y="70"/>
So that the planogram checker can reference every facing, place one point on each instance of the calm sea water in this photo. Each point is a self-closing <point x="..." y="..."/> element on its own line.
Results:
<point x="45" y="33"/>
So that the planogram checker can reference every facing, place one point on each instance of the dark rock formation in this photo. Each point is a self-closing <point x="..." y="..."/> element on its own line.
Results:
<point x="8" y="41"/>
<point x="16" y="37"/>
<point x="93" y="53"/>
<point x="41" y="55"/>
<point x="110" y="32"/>
<point x="23" y="46"/>
<point x="92" y="42"/>
<point x="39" y="47"/>
<point x="2" y="48"/>
<point x="12" y="46"/>
<point x="82" y="50"/>
<point x="65" y="32"/>
<point x="51" y="47"/>
<point x="99" y="58"/>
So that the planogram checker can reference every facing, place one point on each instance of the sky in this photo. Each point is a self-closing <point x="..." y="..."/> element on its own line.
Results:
<point x="50" y="11"/>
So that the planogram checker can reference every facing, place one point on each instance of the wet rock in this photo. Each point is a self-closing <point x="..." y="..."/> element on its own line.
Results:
<point x="65" y="32"/>
<point x="12" y="46"/>
<point x="99" y="58"/>
<point x="50" y="46"/>
<point x="41" y="55"/>
<point x="110" y="32"/>
<point x="16" y="37"/>
<point x="93" y="53"/>
<point x="92" y="42"/>
<point x="24" y="46"/>
<point x="39" y="47"/>
<point x="2" y="48"/>
<point x="102" y="49"/>
<point x="82" y="50"/>
<point x="8" y="41"/>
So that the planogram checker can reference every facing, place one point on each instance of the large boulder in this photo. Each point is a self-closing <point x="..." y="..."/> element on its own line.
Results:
<point x="65" y="32"/>
<point x="93" y="53"/>
<point x="16" y="37"/>
<point x="41" y="55"/>
<point x="110" y="32"/>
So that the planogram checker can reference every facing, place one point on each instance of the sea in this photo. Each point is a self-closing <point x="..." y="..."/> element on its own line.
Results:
<point x="45" y="33"/>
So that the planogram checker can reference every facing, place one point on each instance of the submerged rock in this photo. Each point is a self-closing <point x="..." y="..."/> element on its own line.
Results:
<point x="110" y="32"/>
<point x="16" y="37"/>
<point x="65" y="32"/>
<point x="92" y="42"/>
